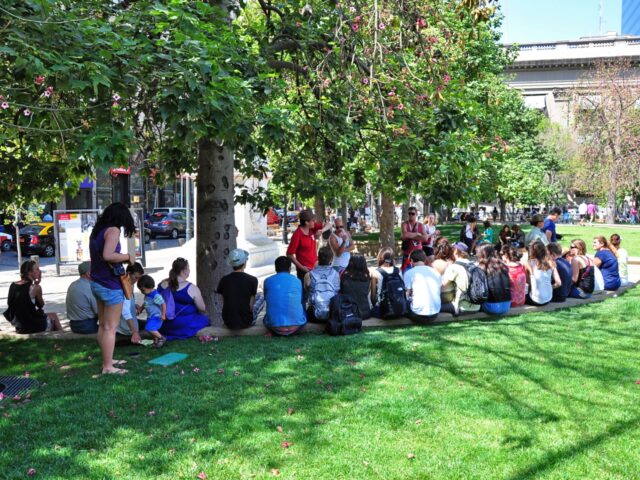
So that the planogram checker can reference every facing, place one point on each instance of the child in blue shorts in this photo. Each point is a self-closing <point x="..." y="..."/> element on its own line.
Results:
<point x="155" y="308"/>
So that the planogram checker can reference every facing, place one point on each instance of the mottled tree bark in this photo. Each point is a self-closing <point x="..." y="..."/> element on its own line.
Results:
<point x="216" y="235"/>
<point x="320" y="209"/>
<point x="387" y="224"/>
<point x="344" y="213"/>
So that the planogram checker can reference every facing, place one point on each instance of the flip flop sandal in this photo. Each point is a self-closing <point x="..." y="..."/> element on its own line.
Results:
<point x="119" y="362"/>
<point x="115" y="371"/>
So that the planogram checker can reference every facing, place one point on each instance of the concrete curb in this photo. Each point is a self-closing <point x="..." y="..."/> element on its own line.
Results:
<point x="371" y="323"/>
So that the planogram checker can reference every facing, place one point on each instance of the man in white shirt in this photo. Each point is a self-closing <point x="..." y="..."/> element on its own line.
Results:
<point x="582" y="211"/>
<point x="423" y="286"/>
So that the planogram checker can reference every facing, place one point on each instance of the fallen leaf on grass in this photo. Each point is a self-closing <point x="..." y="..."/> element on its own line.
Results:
<point x="300" y="357"/>
<point x="172" y="451"/>
<point x="279" y="428"/>
<point x="286" y="444"/>
<point x="363" y="389"/>
<point x="268" y="385"/>
<point x="202" y="476"/>
<point x="140" y="457"/>
<point x="637" y="382"/>
<point x="31" y="472"/>
<point x="290" y="411"/>
<point x="411" y="456"/>
<point x="275" y="472"/>
<point x="65" y="367"/>
<point x="362" y="375"/>
<point x="298" y="350"/>
<point x="196" y="370"/>
<point x="152" y="413"/>
<point x="112" y="414"/>
<point x="418" y="422"/>
<point x="365" y="463"/>
<point x="220" y="371"/>
<point x="236" y="373"/>
<point x="319" y="381"/>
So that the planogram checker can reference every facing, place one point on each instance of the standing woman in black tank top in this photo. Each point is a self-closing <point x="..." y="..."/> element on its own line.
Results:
<point x="106" y="261"/>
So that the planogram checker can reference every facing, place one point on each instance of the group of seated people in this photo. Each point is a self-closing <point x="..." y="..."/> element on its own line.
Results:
<point x="26" y="305"/>
<point x="432" y="284"/>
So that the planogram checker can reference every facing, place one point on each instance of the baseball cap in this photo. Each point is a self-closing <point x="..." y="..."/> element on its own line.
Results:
<point x="84" y="267"/>
<point x="237" y="257"/>
<point x="461" y="246"/>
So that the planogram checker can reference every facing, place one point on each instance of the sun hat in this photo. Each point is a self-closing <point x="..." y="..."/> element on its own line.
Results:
<point x="237" y="257"/>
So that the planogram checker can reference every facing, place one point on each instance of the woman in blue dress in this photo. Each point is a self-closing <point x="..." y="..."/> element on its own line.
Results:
<point x="607" y="262"/>
<point x="190" y="310"/>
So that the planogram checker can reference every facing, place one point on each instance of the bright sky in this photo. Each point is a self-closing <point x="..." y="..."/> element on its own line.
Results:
<point x="528" y="21"/>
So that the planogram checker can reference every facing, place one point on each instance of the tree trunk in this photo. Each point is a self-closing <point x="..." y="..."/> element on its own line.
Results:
<point x="405" y="213"/>
<point x="611" y="207"/>
<point x="387" y="224"/>
<point x="319" y="208"/>
<point x="344" y="212"/>
<point x="503" y="209"/>
<point x="217" y="232"/>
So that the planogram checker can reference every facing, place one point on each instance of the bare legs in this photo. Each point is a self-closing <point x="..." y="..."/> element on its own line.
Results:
<point x="108" y="318"/>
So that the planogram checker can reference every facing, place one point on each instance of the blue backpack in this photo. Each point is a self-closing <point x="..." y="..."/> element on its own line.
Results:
<point x="167" y="296"/>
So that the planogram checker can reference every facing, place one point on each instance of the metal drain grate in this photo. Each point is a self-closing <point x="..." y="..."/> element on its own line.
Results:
<point x="10" y="386"/>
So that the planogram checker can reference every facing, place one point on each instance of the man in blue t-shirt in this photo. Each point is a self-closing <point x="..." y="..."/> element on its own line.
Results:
<point x="561" y="293"/>
<point x="549" y="227"/>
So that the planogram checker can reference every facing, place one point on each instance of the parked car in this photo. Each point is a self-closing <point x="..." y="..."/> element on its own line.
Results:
<point x="5" y="242"/>
<point x="170" y="210"/>
<point x="37" y="238"/>
<point x="171" y="224"/>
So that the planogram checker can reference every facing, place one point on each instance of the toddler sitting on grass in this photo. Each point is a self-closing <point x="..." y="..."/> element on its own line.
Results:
<point x="155" y="307"/>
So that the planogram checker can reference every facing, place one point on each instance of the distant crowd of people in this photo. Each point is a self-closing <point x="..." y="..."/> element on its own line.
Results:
<point x="474" y="272"/>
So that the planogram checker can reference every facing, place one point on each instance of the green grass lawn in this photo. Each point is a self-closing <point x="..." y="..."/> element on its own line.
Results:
<point x="543" y="395"/>
<point x="630" y="235"/>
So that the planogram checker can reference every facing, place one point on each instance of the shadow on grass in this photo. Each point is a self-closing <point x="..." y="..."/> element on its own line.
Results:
<point x="221" y="408"/>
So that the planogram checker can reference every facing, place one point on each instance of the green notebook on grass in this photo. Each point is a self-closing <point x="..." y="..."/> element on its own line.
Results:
<point x="168" y="359"/>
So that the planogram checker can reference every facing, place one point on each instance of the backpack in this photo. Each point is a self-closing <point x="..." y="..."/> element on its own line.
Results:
<point x="323" y="290"/>
<point x="478" y="291"/>
<point x="344" y="316"/>
<point x="167" y="296"/>
<point x="393" y="298"/>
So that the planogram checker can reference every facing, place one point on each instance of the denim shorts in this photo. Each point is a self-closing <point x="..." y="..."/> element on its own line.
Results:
<point x="107" y="295"/>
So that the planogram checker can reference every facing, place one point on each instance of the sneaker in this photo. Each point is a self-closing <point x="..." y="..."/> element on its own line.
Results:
<point x="159" y="342"/>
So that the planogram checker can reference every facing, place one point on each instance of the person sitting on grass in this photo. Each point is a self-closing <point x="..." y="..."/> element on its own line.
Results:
<point x="504" y="237"/>
<point x="155" y="307"/>
<point x="129" y="328"/>
<point x="607" y="262"/>
<point x="82" y="307"/>
<point x="26" y="304"/>
<point x="561" y="292"/>
<point x="356" y="282"/>
<point x="423" y="286"/>
<point x="623" y="257"/>
<point x="456" y="275"/>
<point x="536" y="233"/>
<point x="542" y="275"/>
<point x="487" y="235"/>
<point x="322" y="284"/>
<point x="499" y="299"/>
<point x="582" y="270"/>
<point x="517" y="275"/>
<point x="241" y="301"/>
<point x="517" y="236"/>
<point x="283" y="295"/>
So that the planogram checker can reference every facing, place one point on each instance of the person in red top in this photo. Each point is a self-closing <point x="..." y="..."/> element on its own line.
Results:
<point x="413" y="234"/>
<point x="302" y="250"/>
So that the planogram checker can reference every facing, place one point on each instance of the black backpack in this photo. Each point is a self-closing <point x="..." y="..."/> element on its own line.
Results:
<point x="393" y="298"/>
<point x="478" y="291"/>
<point x="344" y="316"/>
